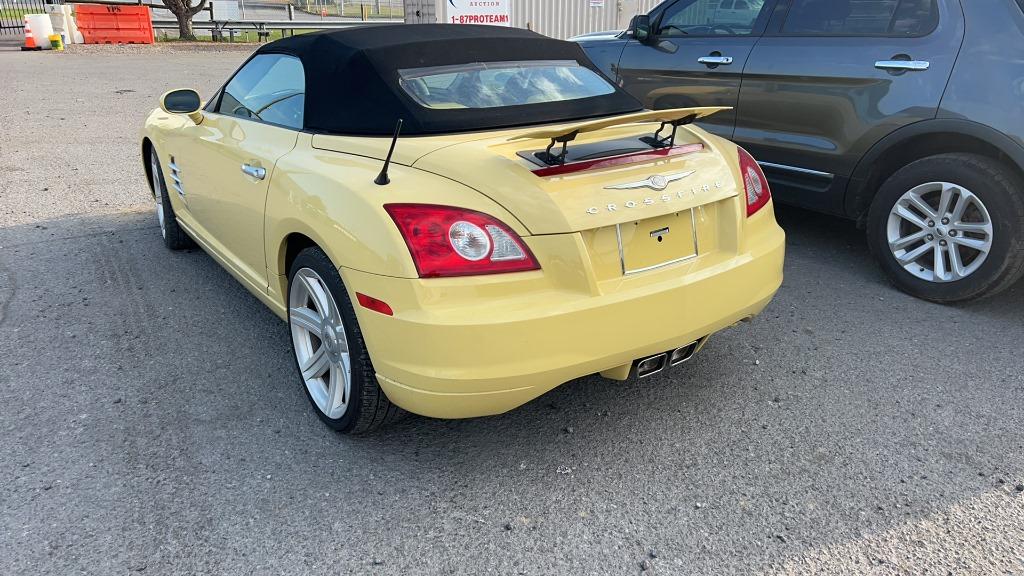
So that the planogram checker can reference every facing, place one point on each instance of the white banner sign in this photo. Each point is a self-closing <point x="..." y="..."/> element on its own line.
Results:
<point x="226" y="10"/>
<point x="491" y="12"/>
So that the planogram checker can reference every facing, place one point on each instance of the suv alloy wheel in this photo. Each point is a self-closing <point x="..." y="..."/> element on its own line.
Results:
<point x="950" y="228"/>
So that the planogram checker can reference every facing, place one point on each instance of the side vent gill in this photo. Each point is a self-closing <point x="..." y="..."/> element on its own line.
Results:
<point x="176" y="179"/>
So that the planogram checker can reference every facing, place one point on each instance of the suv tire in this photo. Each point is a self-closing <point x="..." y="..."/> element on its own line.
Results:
<point x="993" y="200"/>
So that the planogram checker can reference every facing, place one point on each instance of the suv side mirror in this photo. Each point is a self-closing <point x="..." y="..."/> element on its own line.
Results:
<point x="641" y="29"/>
<point x="184" y="101"/>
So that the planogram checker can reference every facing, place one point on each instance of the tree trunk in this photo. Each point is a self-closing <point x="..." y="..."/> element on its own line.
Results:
<point x="183" y="12"/>
<point x="185" y="27"/>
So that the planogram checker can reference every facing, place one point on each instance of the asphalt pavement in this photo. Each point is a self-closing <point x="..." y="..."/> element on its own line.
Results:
<point x="151" y="421"/>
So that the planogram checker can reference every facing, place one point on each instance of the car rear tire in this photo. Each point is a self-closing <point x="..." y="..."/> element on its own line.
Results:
<point x="950" y="228"/>
<point x="174" y="237"/>
<point x="330" y="355"/>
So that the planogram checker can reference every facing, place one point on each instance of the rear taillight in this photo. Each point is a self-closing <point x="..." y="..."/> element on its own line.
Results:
<point x="448" y="241"/>
<point x="754" y="183"/>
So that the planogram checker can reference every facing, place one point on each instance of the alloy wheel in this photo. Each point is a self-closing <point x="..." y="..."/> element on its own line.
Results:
<point x="320" y="343"/>
<point x="158" y="192"/>
<point x="940" y="232"/>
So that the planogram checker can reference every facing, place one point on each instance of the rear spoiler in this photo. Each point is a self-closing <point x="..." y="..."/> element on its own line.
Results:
<point x="660" y="147"/>
<point x="674" y="117"/>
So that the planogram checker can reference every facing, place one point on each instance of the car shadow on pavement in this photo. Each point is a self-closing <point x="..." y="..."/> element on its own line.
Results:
<point x="147" y="393"/>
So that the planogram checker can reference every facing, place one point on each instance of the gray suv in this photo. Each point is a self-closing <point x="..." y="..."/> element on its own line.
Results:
<point x="906" y="115"/>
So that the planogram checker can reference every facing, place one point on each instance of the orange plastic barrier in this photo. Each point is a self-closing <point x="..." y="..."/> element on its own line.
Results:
<point x="102" y="24"/>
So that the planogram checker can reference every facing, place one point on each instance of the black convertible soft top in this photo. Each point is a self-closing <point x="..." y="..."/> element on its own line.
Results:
<point x="352" y="80"/>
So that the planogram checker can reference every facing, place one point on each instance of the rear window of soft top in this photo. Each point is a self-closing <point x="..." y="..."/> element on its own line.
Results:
<point x="500" y="84"/>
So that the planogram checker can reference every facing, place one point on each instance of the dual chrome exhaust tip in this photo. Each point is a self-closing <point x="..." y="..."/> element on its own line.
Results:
<point x="653" y="364"/>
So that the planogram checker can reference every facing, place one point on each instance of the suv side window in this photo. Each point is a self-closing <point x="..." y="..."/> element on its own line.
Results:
<point x="711" y="18"/>
<point x="270" y="88"/>
<point x="861" y="17"/>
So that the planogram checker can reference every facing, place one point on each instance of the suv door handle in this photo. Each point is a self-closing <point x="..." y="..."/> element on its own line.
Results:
<point x="715" y="60"/>
<point x="903" y="65"/>
<point x="254" y="171"/>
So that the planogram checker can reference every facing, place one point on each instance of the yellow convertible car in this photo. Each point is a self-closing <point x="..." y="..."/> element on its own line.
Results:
<point x="456" y="219"/>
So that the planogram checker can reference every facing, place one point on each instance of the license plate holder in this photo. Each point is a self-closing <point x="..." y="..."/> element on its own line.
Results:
<point x="654" y="243"/>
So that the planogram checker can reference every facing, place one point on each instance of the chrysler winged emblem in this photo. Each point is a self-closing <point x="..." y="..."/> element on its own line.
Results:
<point x="657" y="182"/>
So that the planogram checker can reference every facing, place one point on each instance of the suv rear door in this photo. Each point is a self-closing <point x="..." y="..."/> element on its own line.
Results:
<point x="830" y="78"/>
<point x="695" y="56"/>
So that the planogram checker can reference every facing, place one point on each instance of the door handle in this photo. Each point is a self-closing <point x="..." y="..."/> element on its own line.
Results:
<point x="254" y="171"/>
<point x="903" y="65"/>
<point x="715" y="60"/>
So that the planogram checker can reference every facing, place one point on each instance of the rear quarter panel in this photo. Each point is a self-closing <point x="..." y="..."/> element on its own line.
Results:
<point x="987" y="84"/>
<point x="331" y="198"/>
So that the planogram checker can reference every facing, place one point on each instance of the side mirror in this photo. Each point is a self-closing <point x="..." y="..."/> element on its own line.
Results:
<point x="184" y="101"/>
<point x="641" y="28"/>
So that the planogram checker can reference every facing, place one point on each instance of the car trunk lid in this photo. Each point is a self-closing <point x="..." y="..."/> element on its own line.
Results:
<point x="613" y="178"/>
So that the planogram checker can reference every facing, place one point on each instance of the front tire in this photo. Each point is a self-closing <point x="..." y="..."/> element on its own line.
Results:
<point x="330" y="355"/>
<point x="950" y="228"/>
<point x="174" y="237"/>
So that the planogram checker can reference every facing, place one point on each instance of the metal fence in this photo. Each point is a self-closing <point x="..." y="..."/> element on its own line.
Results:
<point x="12" y="13"/>
<point x="363" y="9"/>
<point x="226" y="30"/>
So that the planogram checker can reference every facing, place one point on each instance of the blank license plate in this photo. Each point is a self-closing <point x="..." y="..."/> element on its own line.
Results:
<point x="656" y="242"/>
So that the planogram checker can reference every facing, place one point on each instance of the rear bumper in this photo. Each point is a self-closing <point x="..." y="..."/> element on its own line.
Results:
<point x="450" y="352"/>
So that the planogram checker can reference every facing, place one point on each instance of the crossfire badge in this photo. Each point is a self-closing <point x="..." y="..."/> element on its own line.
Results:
<point x="658" y="182"/>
